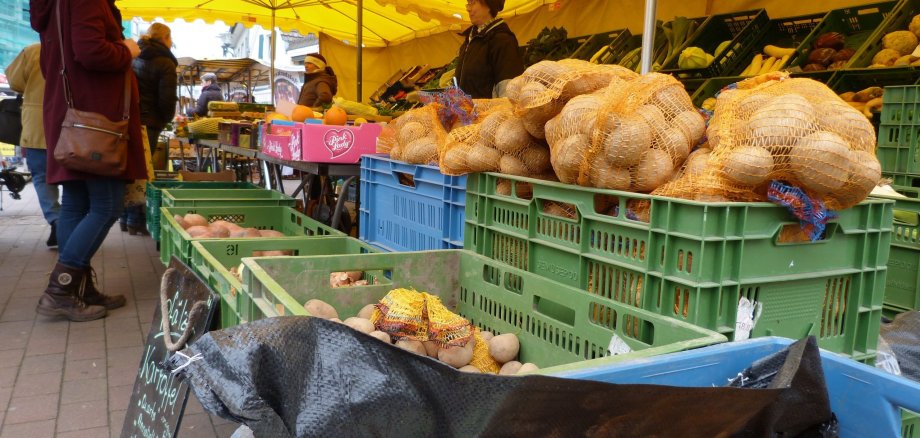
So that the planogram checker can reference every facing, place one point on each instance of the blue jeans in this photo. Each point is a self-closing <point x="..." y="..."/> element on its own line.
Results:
<point x="88" y="210"/>
<point x="37" y="160"/>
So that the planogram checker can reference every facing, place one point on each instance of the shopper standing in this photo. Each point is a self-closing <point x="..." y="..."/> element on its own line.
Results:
<point x="96" y="57"/>
<point x="489" y="55"/>
<point x="319" y="82"/>
<point x="155" y="69"/>
<point x="210" y="92"/>
<point x="25" y="76"/>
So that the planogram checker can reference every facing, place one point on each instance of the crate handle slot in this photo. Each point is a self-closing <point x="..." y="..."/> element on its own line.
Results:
<point x="404" y="179"/>
<point x="554" y="310"/>
<point x="906" y="217"/>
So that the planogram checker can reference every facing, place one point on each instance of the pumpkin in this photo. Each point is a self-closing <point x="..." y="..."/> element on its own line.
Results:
<point x="301" y="113"/>
<point x="335" y="116"/>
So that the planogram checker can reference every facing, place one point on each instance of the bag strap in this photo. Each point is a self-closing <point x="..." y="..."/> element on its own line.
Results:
<point x="68" y="96"/>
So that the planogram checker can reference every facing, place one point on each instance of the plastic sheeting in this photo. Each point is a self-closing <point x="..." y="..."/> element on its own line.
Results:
<point x="903" y="337"/>
<point x="306" y="377"/>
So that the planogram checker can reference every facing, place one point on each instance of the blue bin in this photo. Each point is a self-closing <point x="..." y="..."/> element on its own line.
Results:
<point x="410" y="207"/>
<point x="867" y="401"/>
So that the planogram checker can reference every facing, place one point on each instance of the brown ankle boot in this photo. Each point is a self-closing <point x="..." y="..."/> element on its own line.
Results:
<point x="62" y="296"/>
<point x="92" y="296"/>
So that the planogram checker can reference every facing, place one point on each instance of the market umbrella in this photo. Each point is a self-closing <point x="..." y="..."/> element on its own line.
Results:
<point x="374" y="23"/>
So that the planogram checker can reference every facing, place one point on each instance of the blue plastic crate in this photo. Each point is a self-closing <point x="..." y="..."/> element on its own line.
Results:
<point x="867" y="401"/>
<point x="410" y="207"/>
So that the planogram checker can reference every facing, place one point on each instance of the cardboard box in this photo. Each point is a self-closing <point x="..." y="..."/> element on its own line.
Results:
<point x="338" y="144"/>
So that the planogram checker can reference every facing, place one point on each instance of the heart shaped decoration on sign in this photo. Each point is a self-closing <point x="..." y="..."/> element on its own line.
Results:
<point x="339" y="141"/>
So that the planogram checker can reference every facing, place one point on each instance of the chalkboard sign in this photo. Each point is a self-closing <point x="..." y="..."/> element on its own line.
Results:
<point x="158" y="400"/>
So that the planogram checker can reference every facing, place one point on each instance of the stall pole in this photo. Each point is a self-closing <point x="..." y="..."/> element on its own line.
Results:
<point x="648" y="35"/>
<point x="360" y="44"/>
<point x="272" y="72"/>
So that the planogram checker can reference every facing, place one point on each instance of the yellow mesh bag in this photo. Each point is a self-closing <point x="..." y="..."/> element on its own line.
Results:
<point x="418" y="134"/>
<point x="632" y="135"/>
<point x="386" y="141"/>
<point x="419" y="316"/>
<point x="794" y="130"/>
<point x="207" y="125"/>
<point x="481" y="357"/>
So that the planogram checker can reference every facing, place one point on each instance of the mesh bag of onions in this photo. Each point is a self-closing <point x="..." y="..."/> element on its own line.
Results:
<point x="418" y="134"/>
<point x="794" y="130"/>
<point x="632" y="135"/>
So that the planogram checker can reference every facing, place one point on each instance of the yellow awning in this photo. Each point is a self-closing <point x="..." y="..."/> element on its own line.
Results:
<point x="386" y="22"/>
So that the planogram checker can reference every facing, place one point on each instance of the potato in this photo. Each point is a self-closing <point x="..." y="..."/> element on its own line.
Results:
<point x="483" y="159"/>
<point x="750" y="104"/>
<point x="697" y="162"/>
<point x="252" y="232"/>
<point x="606" y="177"/>
<point x="865" y="171"/>
<point x="489" y="126"/>
<point x="219" y="231"/>
<point x="431" y="348"/>
<point x="277" y="253"/>
<point x="230" y="226"/>
<point x="821" y="162"/>
<point x="568" y="156"/>
<point x="193" y="219"/>
<point x="512" y="136"/>
<point x="382" y="336"/>
<point x="367" y="311"/>
<point x="470" y="369"/>
<point x="624" y="146"/>
<point x="675" y="143"/>
<point x="181" y="221"/>
<point x="782" y="122"/>
<point x="533" y="94"/>
<point x="421" y="151"/>
<point x="536" y="158"/>
<point x="457" y="356"/>
<point x="320" y="309"/>
<point x="410" y="132"/>
<point x="653" y="170"/>
<point x="510" y="368"/>
<point x="486" y="335"/>
<point x="198" y="231"/>
<point x="527" y="368"/>
<point x="652" y="115"/>
<point x="335" y="320"/>
<point x="504" y="348"/>
<point x="239" y="233"/>
<point x="692" y="125"/>
<point x="748" y="165"/>
<point x="454" y="159"/>
<point x="536" y="123"/>
<point x="411" y="346"/>
<point x="360" y="324"/>
<point x="270" y="233"/>
<point x="511" y="165"/>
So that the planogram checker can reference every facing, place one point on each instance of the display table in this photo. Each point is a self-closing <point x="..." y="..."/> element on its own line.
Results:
<point x="311" y="173"/>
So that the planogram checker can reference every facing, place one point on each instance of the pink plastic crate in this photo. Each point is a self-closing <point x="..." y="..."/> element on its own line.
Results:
<point x="338" y="144"/>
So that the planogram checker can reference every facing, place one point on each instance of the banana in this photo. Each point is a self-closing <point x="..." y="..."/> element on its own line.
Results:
<point x="754" y="66"/>
<point x="767" y="65"/>
<point x="599" y="53"/>
<point x="777" y="52"/>
<point x="781" y="63"/>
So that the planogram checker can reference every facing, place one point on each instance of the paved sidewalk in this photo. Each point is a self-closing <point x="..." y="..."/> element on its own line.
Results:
<point x="74" y="379"/>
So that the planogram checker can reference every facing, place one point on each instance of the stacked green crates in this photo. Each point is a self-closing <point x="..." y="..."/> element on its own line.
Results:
<point x="858" y="24"/>
<point x="555" y="324"/>
<point x="155" y="196"/>
<point x="222" y="197"/>
<point x="175" y="241"/>
<point x="898" y="18"/>
<point x="213" y="259"/>
<point x="741" y="28"/>
<point x="693" y="261"/>
<point x="902" y="288"/>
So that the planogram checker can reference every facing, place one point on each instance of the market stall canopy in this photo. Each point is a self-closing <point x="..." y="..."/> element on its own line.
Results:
<point x="385" y="22"/>
<point x="235" y="70"/>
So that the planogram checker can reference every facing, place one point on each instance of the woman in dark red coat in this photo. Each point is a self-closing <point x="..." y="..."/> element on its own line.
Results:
<point x="96" y="57"/>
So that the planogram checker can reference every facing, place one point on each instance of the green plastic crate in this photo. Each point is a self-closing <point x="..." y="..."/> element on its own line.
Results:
<point x="155" y="197"/>
<point x="902" y="288"/>
<point x="899" y="130"/>
<point x="896" y="18"/>
<point x="693" y="261"/>
<point x="905" y="184"/>
<point x="590" y="44"/>
<point x="221" y="197"/>
<point x="212" y="259"/>
<point x="790" y="32"/>
<point x="175" y="241"/>
<point x="741" y="28"/>
<point x="910" y="424"/>
<point x="555" y="324"/>
<point x="858" y="24"/>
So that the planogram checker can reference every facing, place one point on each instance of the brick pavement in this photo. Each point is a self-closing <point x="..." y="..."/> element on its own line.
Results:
<point x="74" y="379"/>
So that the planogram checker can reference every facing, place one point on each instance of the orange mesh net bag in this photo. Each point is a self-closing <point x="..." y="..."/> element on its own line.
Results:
<point x="776" y="128"/>
<point x="632" y="135"/>
<point x="544" y="88"/>
<point x="419" y="316"/>
<point x="418" y="134"/>
<point x="498" y="143"/>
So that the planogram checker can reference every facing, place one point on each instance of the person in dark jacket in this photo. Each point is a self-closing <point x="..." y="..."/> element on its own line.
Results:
<point x="155" y="69"/>
<point x="489" y="55"/>
<point x="319" y="82"/>
<point x="210" y="92"/>
<point x="97" y="58"/>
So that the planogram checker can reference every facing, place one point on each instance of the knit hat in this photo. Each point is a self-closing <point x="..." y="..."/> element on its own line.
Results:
<point x="209" y="77"/>
<point x="316" y="59"/>
<point x="495" y="6"/>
